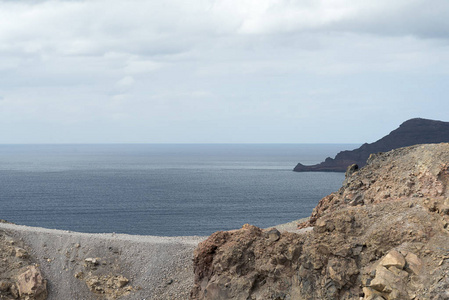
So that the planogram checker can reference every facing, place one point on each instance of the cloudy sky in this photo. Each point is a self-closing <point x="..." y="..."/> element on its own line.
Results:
<point x="224" y="71"/>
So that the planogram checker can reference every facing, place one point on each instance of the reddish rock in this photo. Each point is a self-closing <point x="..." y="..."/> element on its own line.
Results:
<point x="373" y="239"/>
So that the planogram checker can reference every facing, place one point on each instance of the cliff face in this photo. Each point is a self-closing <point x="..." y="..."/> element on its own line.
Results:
<point x="383" y="235"/>
<point x="411" y="132"/>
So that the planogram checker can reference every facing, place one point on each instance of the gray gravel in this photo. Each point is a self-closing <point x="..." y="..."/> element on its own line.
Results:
<point x="160" y="266"/>
<point x="157" y="267"/>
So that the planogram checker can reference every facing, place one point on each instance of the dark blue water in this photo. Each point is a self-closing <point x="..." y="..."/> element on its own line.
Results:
<point x="161" y="189"/>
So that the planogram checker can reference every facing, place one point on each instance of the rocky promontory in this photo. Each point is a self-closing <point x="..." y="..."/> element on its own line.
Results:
<point x="411" y="132"/>
<point x="383" y="235"/>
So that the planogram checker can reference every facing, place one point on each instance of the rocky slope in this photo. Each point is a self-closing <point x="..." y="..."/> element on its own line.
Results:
<point x="411" y="132"/>
<point x="20" y="277"/>
<point x="38" y="263"/>
<point x="383" y="235"/>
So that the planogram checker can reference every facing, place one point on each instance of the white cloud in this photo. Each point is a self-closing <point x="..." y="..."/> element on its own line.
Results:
<point x="141" y="66"/>
<point x="258" y="61"/>
<point x="126" y="81"/>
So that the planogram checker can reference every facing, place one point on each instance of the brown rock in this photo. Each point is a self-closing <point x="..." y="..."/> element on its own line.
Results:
<point x="383" y="280"/>
<point x="20" y="253"/>
<point x="390" y="283"/>
<point x="91" y="261"/>
<point x="370" y="294"/>
<point x="414" y="264"/>
<point x="30" y="284"/>
<point x="351" y="251"/>
<point x="121" y="281"/>
<point x="393" y="259"/>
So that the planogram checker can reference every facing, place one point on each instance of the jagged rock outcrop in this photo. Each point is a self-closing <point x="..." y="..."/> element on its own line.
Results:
<point x="383" y="235"/>
<point x="411" y="132"/>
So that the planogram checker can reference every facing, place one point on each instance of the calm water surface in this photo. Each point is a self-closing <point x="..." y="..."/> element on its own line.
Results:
<point x="161" y="189"/>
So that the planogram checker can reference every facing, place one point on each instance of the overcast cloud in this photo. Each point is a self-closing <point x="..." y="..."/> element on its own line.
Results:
<point x="220" y="71"/>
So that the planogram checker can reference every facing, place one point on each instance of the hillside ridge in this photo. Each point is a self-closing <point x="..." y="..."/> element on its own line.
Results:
<point x="411" y="132"/>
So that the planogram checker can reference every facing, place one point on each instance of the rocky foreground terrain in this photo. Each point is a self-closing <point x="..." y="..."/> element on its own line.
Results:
<point x="411" y="132"/>
<point x="383" y="235"/>
<point x="39" y="263"/>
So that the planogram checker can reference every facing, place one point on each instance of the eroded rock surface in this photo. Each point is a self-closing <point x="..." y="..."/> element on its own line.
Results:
<point x="20" y="278"/>
<point x="383" y="235"/>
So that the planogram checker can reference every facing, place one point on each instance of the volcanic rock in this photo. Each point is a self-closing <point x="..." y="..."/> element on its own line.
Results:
<point x="390" y="244"/>
<point x="411" y="132"/>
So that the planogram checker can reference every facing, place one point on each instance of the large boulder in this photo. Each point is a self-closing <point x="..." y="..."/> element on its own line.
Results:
<point x="31" y="285"/>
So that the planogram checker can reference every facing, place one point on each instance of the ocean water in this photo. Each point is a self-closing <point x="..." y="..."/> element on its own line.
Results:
<point x="166" y="190"/>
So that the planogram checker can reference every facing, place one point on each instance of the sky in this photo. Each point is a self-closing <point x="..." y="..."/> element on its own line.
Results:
<point x="229" y="71"/>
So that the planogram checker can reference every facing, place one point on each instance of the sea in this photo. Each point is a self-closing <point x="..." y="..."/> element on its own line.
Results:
<point x="162" y="189"/>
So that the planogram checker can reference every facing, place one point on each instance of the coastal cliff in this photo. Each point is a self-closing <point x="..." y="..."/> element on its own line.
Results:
<point x="411" y="132"/>
<point x="383" y="235"/>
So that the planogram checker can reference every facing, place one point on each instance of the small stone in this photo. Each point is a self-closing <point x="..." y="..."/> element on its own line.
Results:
<point x="393" y="259"/>
<point x="273" y="235"/>
<point x="20" y="253"/>
<point x="381" y="282"/>
<point x="320" y="226"/>
<point x="414" y="264"/>
<point x="398" y="272"/>
<point x="122" y="281"/>
<point x="77" y="245"/>
<point x="91" y="261"/>
<point x="323" y="225"/>
<point x="371" y="294"/>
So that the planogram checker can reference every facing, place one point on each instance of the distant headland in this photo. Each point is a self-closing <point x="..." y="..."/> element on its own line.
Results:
<point x="411" y="132"/>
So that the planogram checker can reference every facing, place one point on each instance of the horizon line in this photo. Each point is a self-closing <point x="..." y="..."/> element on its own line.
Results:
<point x="174" y="143"/>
